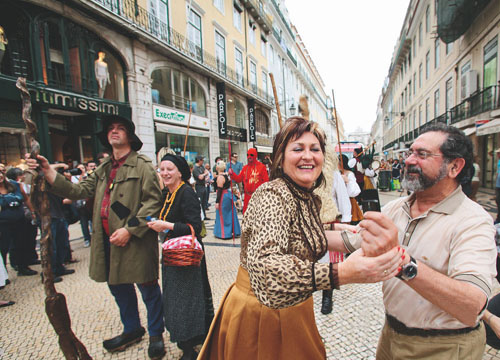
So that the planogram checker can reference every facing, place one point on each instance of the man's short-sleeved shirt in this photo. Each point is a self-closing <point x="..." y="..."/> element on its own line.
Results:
<point x="455" y="237"/>
<point x="197" y="171"/>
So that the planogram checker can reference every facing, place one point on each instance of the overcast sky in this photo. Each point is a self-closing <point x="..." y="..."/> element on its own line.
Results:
<point x="351" y="44"/>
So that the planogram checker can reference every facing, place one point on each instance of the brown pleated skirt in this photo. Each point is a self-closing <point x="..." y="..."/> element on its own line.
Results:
<point x="244" y="329"/>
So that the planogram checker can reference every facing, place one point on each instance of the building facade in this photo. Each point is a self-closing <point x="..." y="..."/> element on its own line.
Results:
<point x="196" y="67"/>
<point x="445" y="70"/>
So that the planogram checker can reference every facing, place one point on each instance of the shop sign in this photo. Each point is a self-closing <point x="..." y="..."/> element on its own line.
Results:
<point x="221" y="109"/>
<point x="251" y="120"/>
<point x="177" y="117"/>
<point x="481" y="122"/>
<point x="68" y="101"/>
<point x="235" y="133"/>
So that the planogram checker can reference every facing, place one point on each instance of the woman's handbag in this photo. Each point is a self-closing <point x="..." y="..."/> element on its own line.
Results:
<point x="182" y="251"/>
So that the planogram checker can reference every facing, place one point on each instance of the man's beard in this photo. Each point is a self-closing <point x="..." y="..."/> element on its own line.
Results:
<point x="422" y="182"/>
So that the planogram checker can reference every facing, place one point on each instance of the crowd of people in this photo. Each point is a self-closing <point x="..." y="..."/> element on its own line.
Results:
<point x="434" y="250"/>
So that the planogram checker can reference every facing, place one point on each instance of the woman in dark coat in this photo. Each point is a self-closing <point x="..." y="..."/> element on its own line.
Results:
<point x="187" y="296"/>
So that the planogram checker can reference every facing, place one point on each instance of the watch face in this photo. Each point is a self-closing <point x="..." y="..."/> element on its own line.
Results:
<point x="410" y="271"/>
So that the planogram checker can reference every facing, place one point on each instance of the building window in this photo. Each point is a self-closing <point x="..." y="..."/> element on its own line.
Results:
<point x="420" y="71"/>
<point x="428" y="20"/>
<point x="262" y="123"/>
<point x="237" y="18"/>
<point x="178" y="90"/>
<point x="219" y="4"/>
<point x="419" y="115"/>
<point x="436" y="103"/>
<point x="263" y="47"/>
<point x="253" y="76"/>
<point x="449" y="48"/>
<point x="251" y="32"/>
<point x="220" y="52"/>
<point x="420" y="34"/>
<point x="238" y="58"/>
<point x="194" y="35"/>
<point x="449" y="94"/>
<point x="436" y="53"/>
<point x="235" y="112"/>
<point x="264" y="83"/>
<point x="427" y="109"/>
<point x="414" y="83"/>
<point x="490" y="63"/>
<point x="427" y="64"/>
<point x="464" y="80"/>
<point x="414" y="42"/>
<point x="159" y="19"/>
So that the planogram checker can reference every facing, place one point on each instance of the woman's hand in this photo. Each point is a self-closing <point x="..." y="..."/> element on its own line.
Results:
<point x="359" y="268"/>
<point x="379" y="234"/>
<point x="49" y="171"/>
<point x="160" y="225"/>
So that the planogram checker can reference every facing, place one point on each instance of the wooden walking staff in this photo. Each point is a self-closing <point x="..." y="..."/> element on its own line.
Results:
<point x="187" y="131"/>
<point x="232" y="201"/>
<point x="55" y="303"/>
<point x="276" y="100"/>
<point x="338" y="134"/>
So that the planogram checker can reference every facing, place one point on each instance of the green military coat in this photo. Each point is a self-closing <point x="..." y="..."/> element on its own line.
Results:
<point x="134" y="196"/>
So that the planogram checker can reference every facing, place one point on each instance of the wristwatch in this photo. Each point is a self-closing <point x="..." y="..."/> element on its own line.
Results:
<point x="409" y="271"/>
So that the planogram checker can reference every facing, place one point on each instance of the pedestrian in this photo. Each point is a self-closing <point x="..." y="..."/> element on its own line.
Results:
<point x="236" y="166"/>
<point x="209" y="179"/>
<point x="126" y="191"/>
<point x="12" y="240"/>
<point x="433" y="307"/>
<point x="353" y="190"/>
<point x="199" y="174"/>
<point x="268" y="313"/>
<point x="226" y="213"/>
<point x="396" y="174"/>
<point x="187" y="297"/>
<point x="476" y="178"/>
<point x="252" y="175"/>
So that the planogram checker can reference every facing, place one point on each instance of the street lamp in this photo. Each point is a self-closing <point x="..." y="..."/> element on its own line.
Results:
<point x="292" y="109"/>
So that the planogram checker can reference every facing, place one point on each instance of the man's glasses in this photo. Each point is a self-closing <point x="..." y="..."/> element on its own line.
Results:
<point x="421" y="154"/>
<point x="252" y="155"/>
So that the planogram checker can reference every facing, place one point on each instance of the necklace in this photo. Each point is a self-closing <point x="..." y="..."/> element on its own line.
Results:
<point x="169" y="200"/>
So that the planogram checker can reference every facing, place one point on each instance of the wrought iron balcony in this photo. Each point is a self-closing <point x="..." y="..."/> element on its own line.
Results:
<point x="278" y="10"/>
<point x="256" y="8"/>
<point x="486" y="100"/>
<point x="134" y="14"/>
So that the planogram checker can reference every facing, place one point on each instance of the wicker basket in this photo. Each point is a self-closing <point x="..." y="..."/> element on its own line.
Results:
<point x="183" y="257"/>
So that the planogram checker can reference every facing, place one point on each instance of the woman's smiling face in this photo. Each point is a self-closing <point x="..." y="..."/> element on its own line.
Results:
<point x="303" y="160"/>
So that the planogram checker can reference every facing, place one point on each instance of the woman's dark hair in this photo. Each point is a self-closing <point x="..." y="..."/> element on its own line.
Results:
<point x="345" y="160"/>
<point x="14" y="173"/>
<point x="10" y="188"/>
<point x="294" y="128"/>
<point x="457" y="145"/>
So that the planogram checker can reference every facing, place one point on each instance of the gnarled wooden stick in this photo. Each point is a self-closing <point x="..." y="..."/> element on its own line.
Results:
<point x="55" y="303"/>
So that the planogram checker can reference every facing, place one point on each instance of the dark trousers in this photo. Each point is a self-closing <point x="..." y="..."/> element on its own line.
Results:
<point x="201" y="191"/>
<point x="497" y="199"/>
<point x="12" y="241"/>
<point x="85" y="223"/>
<point x="494" y="308"/>
<point x="60" y="244"/>
<point x="29" y="234"/>
<point x="126" y="299"/>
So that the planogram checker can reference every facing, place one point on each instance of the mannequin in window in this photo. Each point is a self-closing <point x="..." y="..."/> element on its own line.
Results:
<point x="3" y="43"/>
<point x="101" y="73"/>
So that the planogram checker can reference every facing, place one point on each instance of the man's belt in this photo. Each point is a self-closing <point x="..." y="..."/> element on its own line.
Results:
<point x="401" y="328"/>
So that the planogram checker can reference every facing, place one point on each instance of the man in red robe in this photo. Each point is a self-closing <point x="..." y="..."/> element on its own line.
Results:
<point x="253" y="175"/>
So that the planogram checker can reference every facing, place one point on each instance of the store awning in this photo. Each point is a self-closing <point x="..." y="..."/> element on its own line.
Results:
<point x="264" y="149"/>
<point x="470" y="130"/>
<point x="490" y="128"/>
<point x="172" y="129"/>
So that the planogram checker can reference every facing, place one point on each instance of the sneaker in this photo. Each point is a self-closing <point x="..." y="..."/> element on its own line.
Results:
<point x="123" y="341"/>
<point x="86" y="243"/>
<point x="156" y="349"/>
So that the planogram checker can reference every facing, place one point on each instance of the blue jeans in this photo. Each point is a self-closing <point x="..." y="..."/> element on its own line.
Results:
<point x="60" y="244"/>
<point x="85" y="223"/>
<point x="126" y="299"/>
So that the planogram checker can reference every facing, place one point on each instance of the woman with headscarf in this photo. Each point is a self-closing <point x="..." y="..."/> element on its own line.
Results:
<point x="268" y="313"/>
<point x="226" y="214"/>
<point x="187" y="297"/>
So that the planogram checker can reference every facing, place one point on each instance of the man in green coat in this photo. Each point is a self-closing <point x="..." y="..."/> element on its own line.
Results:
<point x="124" y="251"/>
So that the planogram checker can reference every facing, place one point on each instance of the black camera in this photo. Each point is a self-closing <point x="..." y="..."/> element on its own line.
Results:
<point x="75" y="172"/>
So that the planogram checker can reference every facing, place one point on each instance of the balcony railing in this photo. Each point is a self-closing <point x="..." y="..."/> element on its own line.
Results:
<point x="260" y="15"/>
<point x="485" y="100"/>
<point x="278" y="10"/>
<point x="129" y="11"/>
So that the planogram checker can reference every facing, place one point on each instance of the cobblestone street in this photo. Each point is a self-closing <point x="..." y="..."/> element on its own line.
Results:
<point x="350" y="331"/>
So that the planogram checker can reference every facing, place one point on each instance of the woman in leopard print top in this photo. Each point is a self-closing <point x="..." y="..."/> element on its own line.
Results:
<point x="268" y="313"/>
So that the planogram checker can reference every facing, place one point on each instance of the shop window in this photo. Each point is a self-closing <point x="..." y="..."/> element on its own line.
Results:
<point x="235" y="112"/>
<point x="178" y="90"/>
<point x="262" y="123"/>
<point x="15" y="54"/>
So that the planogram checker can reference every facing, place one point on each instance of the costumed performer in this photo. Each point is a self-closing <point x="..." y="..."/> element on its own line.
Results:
<point x="187" y="297"/>
<point x="225" y="207"/>
<point x="253" y="175"/>
<point x="282" y="240"/>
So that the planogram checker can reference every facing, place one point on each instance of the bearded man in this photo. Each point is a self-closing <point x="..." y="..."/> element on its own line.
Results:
<point x="253" y="175"/>
<point x="434" y="305"/>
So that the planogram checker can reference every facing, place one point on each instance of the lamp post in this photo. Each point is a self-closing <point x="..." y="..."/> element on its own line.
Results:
<point x="292" y="109"/>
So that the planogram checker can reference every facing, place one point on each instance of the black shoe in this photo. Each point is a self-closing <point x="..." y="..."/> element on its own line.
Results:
<point x="156" y="349"/>
<point x="327" y="303"/>
<point x="66" y="272"/>
<point x="123" y="341"/>
<point x="25" y="271"/>
<point x="35" y="262"/>
<point x="189" y="355"/>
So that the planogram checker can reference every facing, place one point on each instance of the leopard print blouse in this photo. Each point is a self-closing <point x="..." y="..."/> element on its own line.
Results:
<point x="281" y="241"/>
